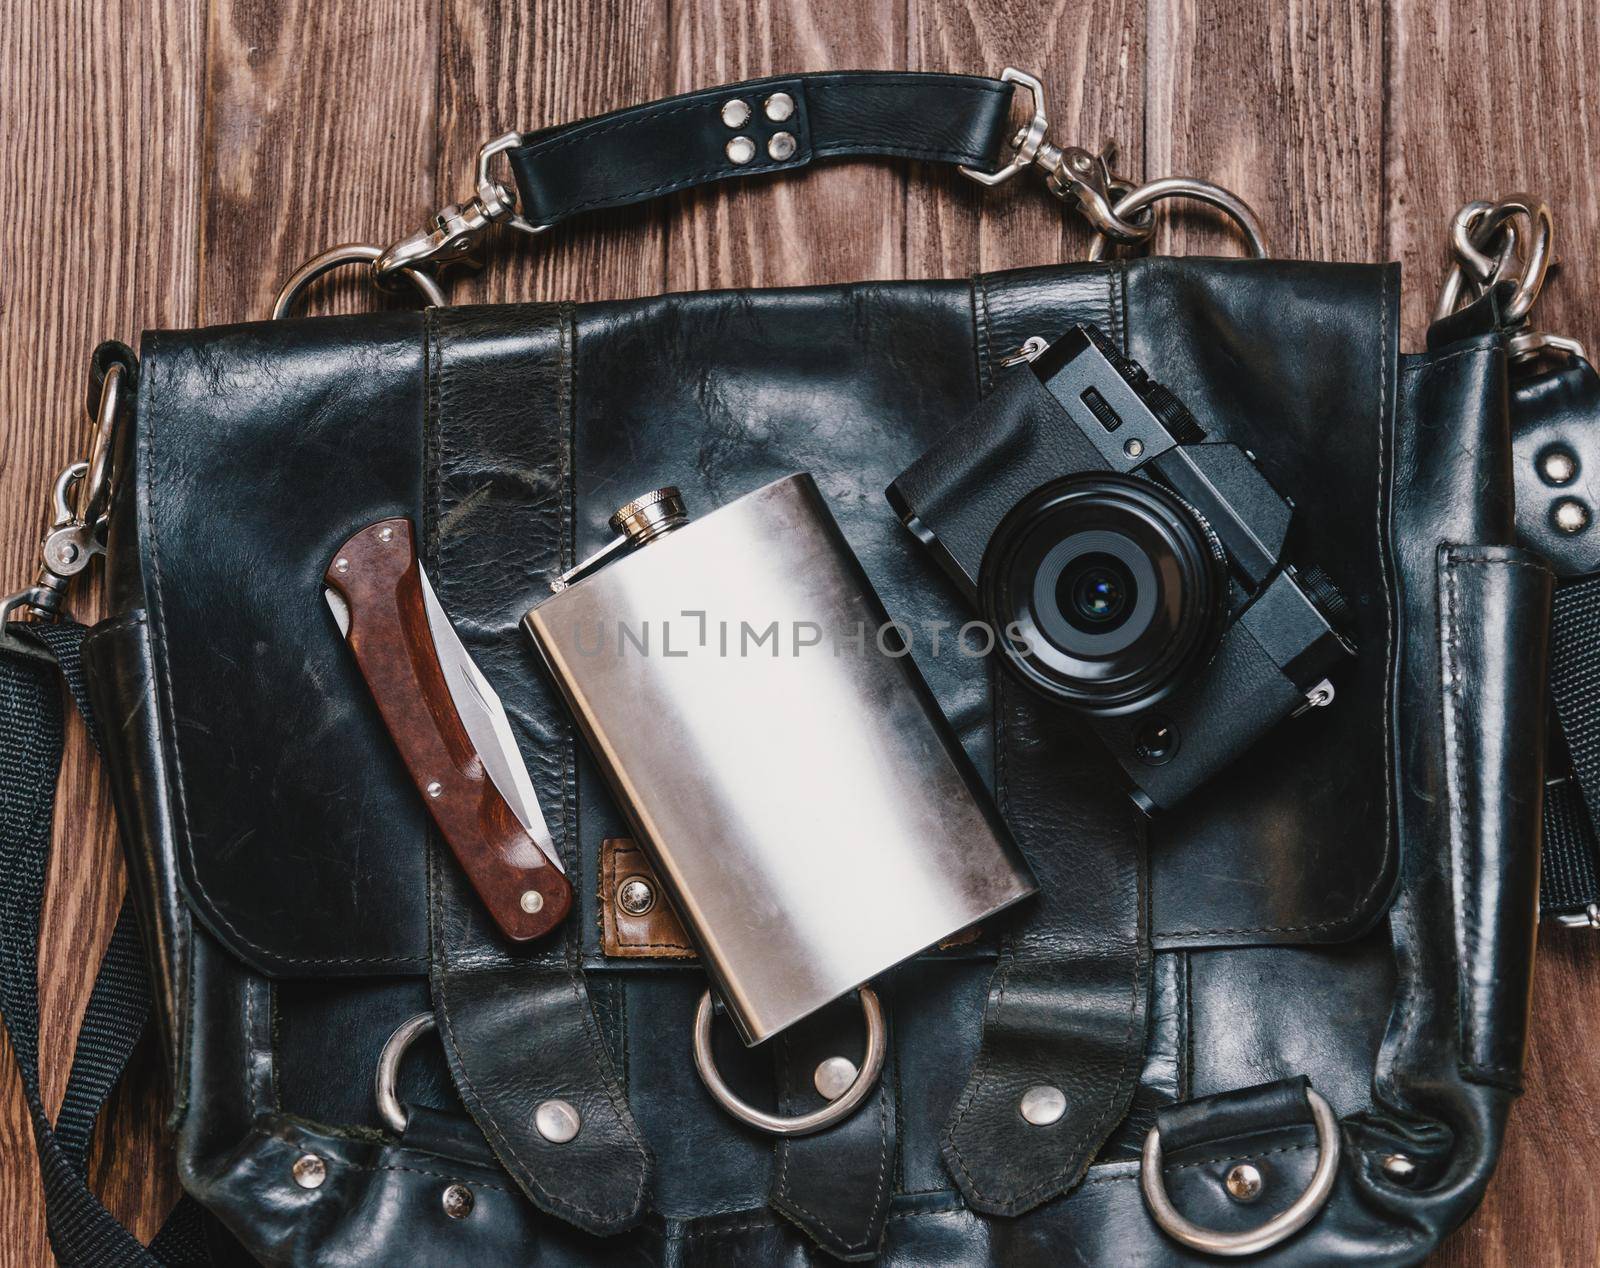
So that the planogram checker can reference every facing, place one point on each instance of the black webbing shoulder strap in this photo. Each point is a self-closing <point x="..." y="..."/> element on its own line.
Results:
<point x="1569" y="880"/>
<point x="34" y="660"/>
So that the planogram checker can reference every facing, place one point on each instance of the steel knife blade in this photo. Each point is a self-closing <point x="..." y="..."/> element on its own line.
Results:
<point x="449" y="726"/>
<point x="487" y="726"/>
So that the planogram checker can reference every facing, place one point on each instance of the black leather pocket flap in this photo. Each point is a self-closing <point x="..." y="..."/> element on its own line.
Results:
<point x="260" y="450"/>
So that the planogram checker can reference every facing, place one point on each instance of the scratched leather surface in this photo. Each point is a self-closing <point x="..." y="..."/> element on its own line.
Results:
<point x="292" y="861"/>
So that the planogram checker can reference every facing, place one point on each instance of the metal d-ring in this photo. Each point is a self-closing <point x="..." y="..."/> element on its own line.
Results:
<point x="383" y="1081"/>
<point x="338" y="257"/>
<point x="1234" y="207"/>
<point x="804" y="1124"/>
<point x="1286" y="1223"/>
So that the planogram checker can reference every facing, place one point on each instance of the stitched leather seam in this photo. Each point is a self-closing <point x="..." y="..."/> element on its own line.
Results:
<point x="423" y="1171"/>
<point x="1433" y="363"/>
<point x="1455" y="737"/>
<point x="147" y="443"/>
<point x="980" y="320"/>
<point x="249" y="1047"/>
<point x="113" y="625"/>
<point x="666" y="187"/>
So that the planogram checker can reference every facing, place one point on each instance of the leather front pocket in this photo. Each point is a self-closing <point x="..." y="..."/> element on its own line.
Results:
<point x="1494" y="604"/>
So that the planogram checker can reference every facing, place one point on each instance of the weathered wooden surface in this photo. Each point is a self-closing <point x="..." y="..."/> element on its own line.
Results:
<point x="167" y="163"/>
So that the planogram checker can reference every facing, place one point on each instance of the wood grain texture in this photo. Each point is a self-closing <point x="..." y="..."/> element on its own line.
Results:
<point x="169" y="163"/>
<point x="100" y="169"/>
<point x="1485" y="100"/>
<point x="1089" y="54"/>
<point x="1287" y="113"/>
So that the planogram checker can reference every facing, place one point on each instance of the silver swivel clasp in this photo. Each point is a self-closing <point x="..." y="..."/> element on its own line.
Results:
<point x="80" y="501"/>
<point x="454" y="233"/>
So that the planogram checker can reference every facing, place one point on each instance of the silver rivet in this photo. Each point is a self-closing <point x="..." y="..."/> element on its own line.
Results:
<point x="557" y="1121"/>
<point x="458" y="1201"/>
<point x="635" y="895"/>
<point x="833" y="1077"/>
<point x="1043" y="1104"/>
<point x="782" y="146"/>
<point x="1244" y="1182"/>
<point x="736" y="113"/>
<point x="386" y="534"/>
<point x="341" y="564"/>
<point x="779" y="106"/>
<point x="741" y="150"/>
<point x="1398" y="1167"/>
<point x="531" y="901"/>
<point x="1133" y="448"/>
<point x="1558" y="465"/>
<point x="310" y="1171"/>
<point x="434" y="788"/>
<point x="1570" y="516"/>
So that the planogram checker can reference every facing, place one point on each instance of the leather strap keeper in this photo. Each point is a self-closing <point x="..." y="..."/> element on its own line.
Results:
<point x="653" y="933"/>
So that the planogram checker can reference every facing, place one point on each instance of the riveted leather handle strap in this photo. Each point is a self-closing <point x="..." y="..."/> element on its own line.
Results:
<point x="757" y="127"/>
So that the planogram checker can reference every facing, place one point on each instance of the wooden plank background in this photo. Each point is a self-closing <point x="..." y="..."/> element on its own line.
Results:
<point x="168" y="163"/>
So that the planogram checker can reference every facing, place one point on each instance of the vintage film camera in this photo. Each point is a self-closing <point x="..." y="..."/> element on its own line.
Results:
<point x="1131" y="569"/>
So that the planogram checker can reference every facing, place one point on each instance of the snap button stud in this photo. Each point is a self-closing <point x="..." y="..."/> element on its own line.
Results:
<point x="1244" y="1182"/>
<point x="782" y="146"/>
<point x="309" y="1171"/>
<point x="557" y="1121"/>
<point x="1043" y="1105"/>
<point x="458" y="1201"/>
<point x="735" y="113"/>
<point x="741" y="150"/>
<point x="635" y="895"/>
<point x="779" y="106"/>
<point x="531" y="901"/>
<point x="1558" y="465"/>
<point x="1569" y="516"/>
<point x="1398" y="1168"/>
<point x="833" y="1077"/>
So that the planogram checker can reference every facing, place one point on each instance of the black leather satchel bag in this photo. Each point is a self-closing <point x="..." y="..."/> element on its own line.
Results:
<point x="1286" y="1017"/>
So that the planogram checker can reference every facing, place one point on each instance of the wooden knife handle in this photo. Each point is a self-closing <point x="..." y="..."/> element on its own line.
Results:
<point x="376" y="573"/>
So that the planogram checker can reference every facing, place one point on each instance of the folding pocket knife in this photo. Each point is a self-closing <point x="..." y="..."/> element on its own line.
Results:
<point x="450" y="728"/>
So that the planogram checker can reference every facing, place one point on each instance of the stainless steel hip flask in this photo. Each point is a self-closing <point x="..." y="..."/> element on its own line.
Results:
<point x="807" y="807"/>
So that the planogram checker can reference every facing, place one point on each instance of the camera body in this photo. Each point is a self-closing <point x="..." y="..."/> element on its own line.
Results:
<point x="1131" y="569"/>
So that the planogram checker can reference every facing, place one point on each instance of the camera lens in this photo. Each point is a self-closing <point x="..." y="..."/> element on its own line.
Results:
<point x="1097" y="592"/>
<point x="1104" y="591"/>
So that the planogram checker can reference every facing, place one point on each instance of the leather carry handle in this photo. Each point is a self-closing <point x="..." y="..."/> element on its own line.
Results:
<point x="754" y="128"/>
<point x="760" y="126"/>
